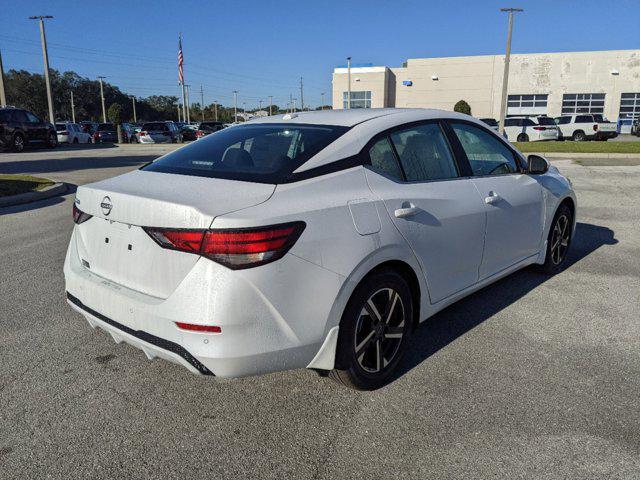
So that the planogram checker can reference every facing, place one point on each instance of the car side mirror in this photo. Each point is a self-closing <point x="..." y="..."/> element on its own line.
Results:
<point x="537" y="165"/>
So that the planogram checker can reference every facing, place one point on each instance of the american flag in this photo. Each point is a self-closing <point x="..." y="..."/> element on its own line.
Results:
<point x="180" y="62"/>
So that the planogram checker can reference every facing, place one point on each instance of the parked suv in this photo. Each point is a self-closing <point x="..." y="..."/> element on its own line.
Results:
<point x="586" y="127"/>
<point x="530" y="129"/>
<point x="20" y="128"/>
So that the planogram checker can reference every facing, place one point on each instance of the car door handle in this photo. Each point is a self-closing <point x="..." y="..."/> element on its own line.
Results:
<point x="406" y="212"/>
<point x="492" y="198"/>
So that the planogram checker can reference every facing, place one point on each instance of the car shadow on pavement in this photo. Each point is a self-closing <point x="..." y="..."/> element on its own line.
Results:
<point x="454" y="321"/>
<point x="74" y="163"/>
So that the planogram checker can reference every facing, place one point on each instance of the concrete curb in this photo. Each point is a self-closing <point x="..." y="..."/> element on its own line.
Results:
<point x="52" y="191"/>
<point x="635" y="156"/>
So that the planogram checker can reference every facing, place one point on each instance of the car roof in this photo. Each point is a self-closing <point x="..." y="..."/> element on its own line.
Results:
<point x="349" y="118"/>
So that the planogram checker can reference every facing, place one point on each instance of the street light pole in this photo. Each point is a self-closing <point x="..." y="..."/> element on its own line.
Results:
<point x="505" y="76"/>
<point x="45" y="55"/>
<point x="301" y="96"/>
<point x="133" y="101"/>
<point x="322" y="101"/>
<point x="215" y="109"/>
<point x="73" y="109"/>
<point x="235" y="106"/>
<point x="270" y="103"/>
<point x="260" y="102"/>
<point x="3" y="98"/>
<point x="188" y="103"/>
<point x="104" y="110"/>
<point x="349" y="82"/>
<point x="202" y="102"/>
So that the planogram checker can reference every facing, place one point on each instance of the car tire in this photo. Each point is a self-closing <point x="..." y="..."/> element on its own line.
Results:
<point x="579" y="136"/>
<point x="372" y="341"/>
<point x="18" y="143"/>
<point x="523" y="137"/>
<point x="558" y="241"/>
<point x="52" y="140"/>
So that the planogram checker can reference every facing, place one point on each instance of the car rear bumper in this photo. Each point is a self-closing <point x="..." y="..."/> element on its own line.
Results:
<point x="273" y="317"/>
<point x="605" y="135"/>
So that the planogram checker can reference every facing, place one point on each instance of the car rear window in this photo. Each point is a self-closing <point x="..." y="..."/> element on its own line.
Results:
<point x="60" y="127"/>
<point x="264" y="153"/>
<point x="546" y="121"/>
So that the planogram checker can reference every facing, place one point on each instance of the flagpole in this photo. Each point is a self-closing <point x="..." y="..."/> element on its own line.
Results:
<point x="184" y="104"/>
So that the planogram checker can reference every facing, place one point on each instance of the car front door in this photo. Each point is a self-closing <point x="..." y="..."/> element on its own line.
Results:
<point x="512" y="199"/>
<point x="436" y="209"/>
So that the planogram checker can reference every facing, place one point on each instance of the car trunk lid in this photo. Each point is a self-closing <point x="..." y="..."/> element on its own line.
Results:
<point x="114" y="245"/>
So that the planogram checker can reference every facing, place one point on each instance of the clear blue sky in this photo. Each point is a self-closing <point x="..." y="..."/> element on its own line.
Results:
<point x="262" y="48"/>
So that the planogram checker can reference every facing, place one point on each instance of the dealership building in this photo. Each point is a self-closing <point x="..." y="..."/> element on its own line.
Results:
<point x="552" y="84"/>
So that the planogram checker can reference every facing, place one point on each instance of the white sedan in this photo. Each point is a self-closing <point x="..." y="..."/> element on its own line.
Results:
<point x="317" y="240"/>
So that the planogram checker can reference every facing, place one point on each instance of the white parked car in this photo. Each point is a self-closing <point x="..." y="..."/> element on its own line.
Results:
<point x="583" y="127"/>
<point x="318" y="240"/>
<point x="530" y="129"/>
<point x="69" y="132"/>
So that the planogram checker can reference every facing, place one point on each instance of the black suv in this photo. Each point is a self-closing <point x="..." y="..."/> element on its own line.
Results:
<point x="19" y="128"/>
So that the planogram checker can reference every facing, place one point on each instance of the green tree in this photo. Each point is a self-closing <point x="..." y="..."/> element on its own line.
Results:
<point x="114" y="114"/>
<point x="462" y="107"/>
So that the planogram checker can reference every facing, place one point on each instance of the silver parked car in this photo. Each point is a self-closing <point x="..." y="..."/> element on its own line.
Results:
<point x="160" y="132"/>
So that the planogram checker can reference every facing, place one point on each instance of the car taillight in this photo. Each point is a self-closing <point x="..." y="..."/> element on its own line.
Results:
<point x="233" y="248"/>
<point x="79" y="216"/>
<point x="199" y="328"/>
<point x="595" y="127"/>
<point x="143" y="134"/>
<point x="539" y="128"/>
<point x="199" y="133"/>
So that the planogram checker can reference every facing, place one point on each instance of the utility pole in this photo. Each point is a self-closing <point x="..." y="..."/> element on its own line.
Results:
<point x="322" y="101"/>
<point x="505" y="76"/>
<point x="133" y="101"/>
<point x="260" y="102"/>
<point x="178" y="111"/>
<point x="348" y="82"/>
<point x="290" y="103"/>
<point x="43" y="37"/>
<point x="235" y="106"/>
<point x="202" y="102"/>
<point x="73" y="109"/>
<point x="104" y="110"/>
<point x="293" y="104"/>
<point x="301" y="95"/>
<point x="270" y="104"/>
<point x="3" y="97"/>
<point x="215" y="109"/>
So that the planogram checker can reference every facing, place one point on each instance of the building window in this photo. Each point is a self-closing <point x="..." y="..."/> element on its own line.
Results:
<point x="582" y="103"/>
<point x="533" y="104"/>
<point x="629" y="105"/>
<point x="358" y="99"/>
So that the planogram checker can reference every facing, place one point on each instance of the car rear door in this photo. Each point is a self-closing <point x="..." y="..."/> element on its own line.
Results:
<point x="432" y="202"/>
<point x="38" y="128"/>
<point x="512" y="199"/>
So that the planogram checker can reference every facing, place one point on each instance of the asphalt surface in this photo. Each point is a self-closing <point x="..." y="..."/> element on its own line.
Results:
<point x="532" y="377"/>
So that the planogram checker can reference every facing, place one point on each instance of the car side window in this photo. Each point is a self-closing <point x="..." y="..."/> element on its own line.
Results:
<point x="424" y="153"/>
<point x="32" y="118"/>
<point x="383" y="160"/>
<point x="19" y="116"/>
<point x="486" y="153"/>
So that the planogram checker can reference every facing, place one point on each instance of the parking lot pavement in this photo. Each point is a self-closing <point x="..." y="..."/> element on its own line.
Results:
<point x="532" y="377"/>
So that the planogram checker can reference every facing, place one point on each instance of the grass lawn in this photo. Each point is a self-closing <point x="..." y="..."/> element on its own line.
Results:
<point x="16" y="184"/>
<point x="579" y="147"/>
